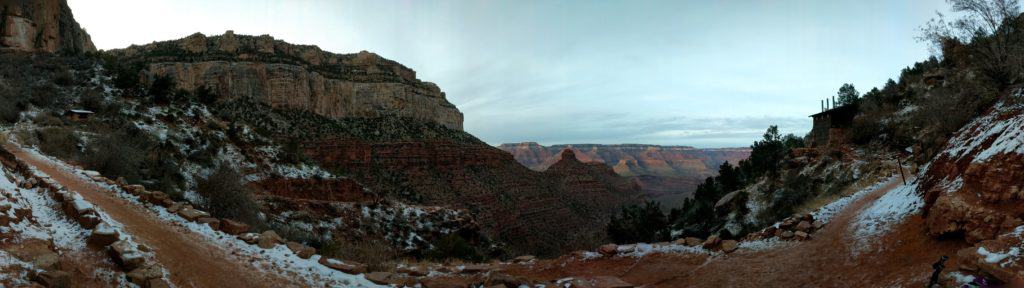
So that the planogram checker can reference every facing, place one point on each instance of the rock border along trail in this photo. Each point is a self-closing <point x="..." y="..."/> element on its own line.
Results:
<point x="190" y="260"/>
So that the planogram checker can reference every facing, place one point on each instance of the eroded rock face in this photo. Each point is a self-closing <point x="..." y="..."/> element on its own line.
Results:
<point x="41" y="26"/>
<point x="975" y="186"/>
<point x="301" y="77"/>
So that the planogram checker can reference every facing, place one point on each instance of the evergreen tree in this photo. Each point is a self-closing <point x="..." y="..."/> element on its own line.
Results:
<point x="847" y="95"/>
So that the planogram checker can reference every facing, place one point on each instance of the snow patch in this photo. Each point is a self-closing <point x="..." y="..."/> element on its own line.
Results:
<point x="889" y="210"/>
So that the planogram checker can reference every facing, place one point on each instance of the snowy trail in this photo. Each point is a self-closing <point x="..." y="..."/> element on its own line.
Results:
<point x="190" y="260"/>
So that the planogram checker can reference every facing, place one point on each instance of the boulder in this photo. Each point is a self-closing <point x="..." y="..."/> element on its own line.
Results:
<point x="142" y="275"/>
<point x="801" y="235"/>
<point x="380" y="278"/>
<point x="251" y="238"/>
<point x="729" y="245"/>
<point x="804" y="226"/>
<point x="786" y="234"/>
<point x="300" y="250"/>
<point x="608" y="249"/>
<point x="103" y="235"/>
<point x="346" y="267"/>
<point x="89" y="221"/>
<point x="52" y="278"/>
<point x="175" y="207"/>
<point x="126" y="255"/>
<point x="269" y="239"/>
<point x="192" y="214"/>
<point x="418" y="271"/>
<point x="524" y="258"/>
<point x="712" y="242"/>
<point x="214" y="223"/>
<point x="233" y="227"/>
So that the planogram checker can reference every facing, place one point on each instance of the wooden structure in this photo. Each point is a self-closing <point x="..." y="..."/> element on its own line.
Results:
<point x="831" y="125"/>
<point x="78" y="115"/>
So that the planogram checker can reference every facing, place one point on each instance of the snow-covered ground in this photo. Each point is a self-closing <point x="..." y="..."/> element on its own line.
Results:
<point x="884" y="213"/>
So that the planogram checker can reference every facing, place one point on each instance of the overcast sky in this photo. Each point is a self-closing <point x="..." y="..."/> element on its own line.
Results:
<point x="700" y="73"/>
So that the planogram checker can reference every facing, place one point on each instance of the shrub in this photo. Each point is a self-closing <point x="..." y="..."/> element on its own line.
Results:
<point x="116" y="155"/>
<point x="639" y="224"/>
<point x="376" y="254"/>
<point x="227" y="196"/>
<point x="58" y="141"/>
<point x="453" y="246"/>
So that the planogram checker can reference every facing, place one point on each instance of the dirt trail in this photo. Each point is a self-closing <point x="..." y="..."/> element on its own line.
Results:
<point x="190" y="260"/>
<point x="827" y="260"/>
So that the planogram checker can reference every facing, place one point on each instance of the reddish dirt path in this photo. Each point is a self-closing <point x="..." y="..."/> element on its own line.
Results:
<point x="824" y="261"/>
<point x="190" y="260"/>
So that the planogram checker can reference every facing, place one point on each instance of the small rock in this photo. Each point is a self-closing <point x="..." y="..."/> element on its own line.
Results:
<point x="729" y="245"/>
<point x="804" y="226"/>
<point x="214" y="223"/>
<point x="103" y="235"/>
<point x="599" y="282"/>
<point x="233" y="227"/>
<point x="174" y="208"/>
<point x="251" y="238"/>
<point x="476" y="268"/>
<point x="192" y="214"/>
<point x="141" y="276"/>
<point x="346" y="267"/>
<point x="269" y="239"/>
<point x="300" y="250"/>
<point x="158" y="283"/>
<point x="417" y="271"/>
<point x="524" y="258"/>
<point x="786" y="234"/>
<point x="712" y="242"/>
<point x="380" y="278"/>
<point x="818" y="224"/>
<point x="693" y="241"/>
<point x="801" y="235"/>
<point x="52" y="278"/>
<point x="608" y="249"/>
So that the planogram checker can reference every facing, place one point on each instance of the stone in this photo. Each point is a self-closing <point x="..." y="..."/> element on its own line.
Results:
<point x="608" y="249"/>
<point x="35" y="251"/>
<point x="693" y="241"/>
<point x="89" y="221"/>
<point x="140" y="276"/>
<point x="380" y="278"/>
<point x="786" y="234"/>
<point x="729" y="245"/>
<point x="174" y="208"/>
<point x="103" y="235"/>
<point x="476" y="268"/>
<point x="269" y="239"/>
<point x="817" y="225"/>
<point x="444" y="283"/>
<point x="126" y="255"/>
<point x="801" y="235"/>
<point x="52" y="278"/>
<point x="233" y="227"/>
<point x="214" y="223"/>
<point x="251" y="238"/>
<point x="418" y="271"/>
<point x="300" y="250"/>
<point x="712" y="242"/>
<point x="135" y="189"/>
<point x="191" y="214"/>
<point x="501" y="279"/>
<point x="348" y="267"/>
<point x="804" y="226"/>
<point x="524" y="258"/>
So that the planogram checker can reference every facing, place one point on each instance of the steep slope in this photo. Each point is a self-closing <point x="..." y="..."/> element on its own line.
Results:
<point x="283" y="75"/>
<point x="41" y="26"/>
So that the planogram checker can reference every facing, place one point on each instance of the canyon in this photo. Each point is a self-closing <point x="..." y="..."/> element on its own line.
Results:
<point x="41" y="26"/>
<point x="667" y="174"/>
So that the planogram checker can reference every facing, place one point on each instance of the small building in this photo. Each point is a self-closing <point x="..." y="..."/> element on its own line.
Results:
<point x="78" y="115"/>
<point x="831" y="126"/>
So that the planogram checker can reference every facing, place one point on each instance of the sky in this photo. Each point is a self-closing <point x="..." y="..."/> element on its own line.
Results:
<point x="697" y="73"/>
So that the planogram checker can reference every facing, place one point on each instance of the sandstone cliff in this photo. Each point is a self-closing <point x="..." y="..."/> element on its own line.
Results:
<point x="283" y="75"/>
<point x="41" y="26"/>
<point x="633" y="159"/>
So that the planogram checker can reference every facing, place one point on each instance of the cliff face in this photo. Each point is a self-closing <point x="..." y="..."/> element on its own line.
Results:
<point x="633" y="159"/>
<point x="974" y="187"/>
<point x="283" y="75"/>
<point x="41" y="26"/>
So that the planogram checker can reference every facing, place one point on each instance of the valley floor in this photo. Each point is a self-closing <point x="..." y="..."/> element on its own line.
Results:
<point x="901" y="255"/>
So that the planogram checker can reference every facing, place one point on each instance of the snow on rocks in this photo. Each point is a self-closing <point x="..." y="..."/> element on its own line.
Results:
<point x="1000" y="257"/>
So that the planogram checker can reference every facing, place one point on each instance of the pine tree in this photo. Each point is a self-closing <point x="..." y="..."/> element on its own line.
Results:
<point x="847" y="95"/>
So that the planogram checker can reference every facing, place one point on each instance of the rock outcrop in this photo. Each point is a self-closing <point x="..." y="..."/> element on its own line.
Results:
<point x="974" y="187"/>
<point x="41" y="26"/>
<point x="302" y="77"/>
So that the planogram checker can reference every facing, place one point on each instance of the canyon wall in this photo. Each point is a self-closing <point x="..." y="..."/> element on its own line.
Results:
<point x="283" y="75"/>
<point x="41" y="26"/>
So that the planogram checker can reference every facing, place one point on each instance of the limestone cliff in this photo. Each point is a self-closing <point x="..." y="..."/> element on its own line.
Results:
<point x="41" y="26"/>
<point x="284" y="75"/>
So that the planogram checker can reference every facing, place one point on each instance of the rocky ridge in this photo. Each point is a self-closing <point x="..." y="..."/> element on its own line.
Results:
<point x="283" y="75"/>
<point x="41" y="26"/>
